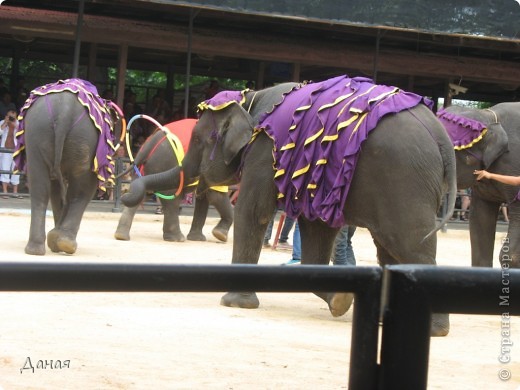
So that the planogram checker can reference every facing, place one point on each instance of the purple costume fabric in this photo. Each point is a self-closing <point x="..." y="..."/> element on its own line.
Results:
<point x="317" y="130"/>
<point x="463" y="132"/>
<point x="95" y="107"/>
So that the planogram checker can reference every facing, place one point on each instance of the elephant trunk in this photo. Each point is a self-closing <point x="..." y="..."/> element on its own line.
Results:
<point x="162" y="181"/>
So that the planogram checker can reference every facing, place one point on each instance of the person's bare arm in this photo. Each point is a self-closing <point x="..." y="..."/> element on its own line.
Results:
<point x="511" y="180"/>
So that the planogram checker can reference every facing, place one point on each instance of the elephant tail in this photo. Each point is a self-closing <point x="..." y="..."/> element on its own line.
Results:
<point x="58" y="154"/>
<point x="450" y="179"/>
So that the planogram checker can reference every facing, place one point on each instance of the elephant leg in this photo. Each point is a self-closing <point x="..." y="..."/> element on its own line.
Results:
<point x="200" y="213"/>
<point x="253" y="211"/>
<point x="222" y="204"/>
<point x="317" y="242"/>
<point x="171" y="228"/>
<point x="57" y="211"/>
<point x="125" y="223"/>
<point x="482" y="227"/>
<point x="80" y="191"/>
<point x="39" y="183"/>
<point x="510" y="252"/>
<point x="440" y="323"/>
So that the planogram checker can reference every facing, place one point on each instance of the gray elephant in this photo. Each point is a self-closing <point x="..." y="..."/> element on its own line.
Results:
<point x="159" y="153"/>
<point x="298" y="145"/>
<point x="67" y="138"/>
<point x="488" y="139"/>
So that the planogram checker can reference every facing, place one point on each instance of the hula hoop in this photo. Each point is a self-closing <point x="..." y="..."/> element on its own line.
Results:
<point x="123" y="124"/>
<point x="176" y="149"/>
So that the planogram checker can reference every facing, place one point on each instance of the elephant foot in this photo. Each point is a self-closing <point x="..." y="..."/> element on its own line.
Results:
<point x="35" y="249"/>
<point x="440" y="325"/>
<point x="220" y="234"/>
<point x="196" y="236"/>
<point x="122" y="236"/>
<point x="52" y="240"/>
<point x="242" y="300"/>
<point x="174" y="237"/>
<point x="67" y="245"/>
<point x="57" y="242"/>
<point x="340" y="303"/>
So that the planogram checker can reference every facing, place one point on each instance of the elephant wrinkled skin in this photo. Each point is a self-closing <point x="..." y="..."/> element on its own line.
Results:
<point x="60" y="145"/>
<point x="498" y="152"/>
<point x="156" y="156"/>
<point x="402" y="174"/>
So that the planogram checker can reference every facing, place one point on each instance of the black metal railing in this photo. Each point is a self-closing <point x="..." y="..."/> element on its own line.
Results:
<point x="409" y="293"/>
<point x="364" y="282"/>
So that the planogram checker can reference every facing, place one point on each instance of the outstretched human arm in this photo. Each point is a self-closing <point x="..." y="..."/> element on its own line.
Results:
<point x="511" y="180"/>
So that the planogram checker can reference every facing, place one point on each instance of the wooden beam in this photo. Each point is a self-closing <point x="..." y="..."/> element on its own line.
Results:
<point x="121" y="73"/>
<point x="257" y="46"/>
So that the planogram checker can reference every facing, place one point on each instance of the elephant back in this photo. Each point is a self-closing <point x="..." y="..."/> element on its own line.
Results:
<point x="95" y="108"/>
<point x="182" y="129"/>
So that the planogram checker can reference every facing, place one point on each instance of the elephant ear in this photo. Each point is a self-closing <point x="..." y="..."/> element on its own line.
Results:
<point x="235" y="128"/>
<point x="497" y="143"/>
<point x="118" y="120"/>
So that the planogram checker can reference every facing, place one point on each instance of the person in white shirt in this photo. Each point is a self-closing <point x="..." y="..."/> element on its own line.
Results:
<point x="8" y="129"/>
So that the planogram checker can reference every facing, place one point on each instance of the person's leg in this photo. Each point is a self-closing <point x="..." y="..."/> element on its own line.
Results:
<point x="339" y="252"/>
<point x="343" y="252"/>
<point x="466" y="200"/>
<point x="4" y="188"/>
<point x="286" y="229"/>
<point x="15" y="180"/>
<point x="297" y="247"/>
<point x="351" y="259"/>
<point x="269" y="230"/>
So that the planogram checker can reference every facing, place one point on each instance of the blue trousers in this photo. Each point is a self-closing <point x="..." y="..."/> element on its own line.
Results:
<point x="286" y="229"/>
<point x="343" y="253"/>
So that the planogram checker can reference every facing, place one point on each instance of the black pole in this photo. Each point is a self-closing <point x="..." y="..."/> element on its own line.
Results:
<point x="188" y="64"/>
<point x="77" y="44"/>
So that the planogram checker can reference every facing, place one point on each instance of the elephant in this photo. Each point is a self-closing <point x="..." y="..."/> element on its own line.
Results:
<point x="66" y="142"/>
<point x="158" y="155"/>
<point x="488" y="139"/>
<point x="402" y="171"/>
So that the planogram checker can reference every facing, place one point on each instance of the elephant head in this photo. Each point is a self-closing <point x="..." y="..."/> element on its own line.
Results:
<point x="218" y="138"/>
<point x="484" y="150"/>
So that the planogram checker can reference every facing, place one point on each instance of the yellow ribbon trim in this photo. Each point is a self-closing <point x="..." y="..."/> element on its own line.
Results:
<point x="313" y="137"/>
<point x="301" y="171"/>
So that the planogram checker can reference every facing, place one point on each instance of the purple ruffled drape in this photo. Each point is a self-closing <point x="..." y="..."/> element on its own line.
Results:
<point x="463" y="132"/>
<point x="96" y="108"/>
<point x="317" y="131"/>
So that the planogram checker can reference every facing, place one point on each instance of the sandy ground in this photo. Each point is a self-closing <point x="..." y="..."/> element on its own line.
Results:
<point x="189" y="341"/>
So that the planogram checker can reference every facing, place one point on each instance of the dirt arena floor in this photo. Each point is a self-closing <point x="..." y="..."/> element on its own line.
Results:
<point x="189" y="341"/>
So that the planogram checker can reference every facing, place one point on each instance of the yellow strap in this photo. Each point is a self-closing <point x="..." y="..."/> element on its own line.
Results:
<point x="176" y="145"/>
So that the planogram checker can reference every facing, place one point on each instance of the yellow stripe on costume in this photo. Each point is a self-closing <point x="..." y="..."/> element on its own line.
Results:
<point x="329" y="138"/>
<point x="358" y="124"/>
<point x="220" y="188"/>
<point x="338" y="100"/>
<point x="279" y="173"/>
<point x="176" y="145"/>
<point x="303" y="108"/>
<point x="288" y="146"/>
<point x="313" y="137"/>
<point x="384" y="95"/>
<point x="301" y="171"/>
<point x="348" y="122"/>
